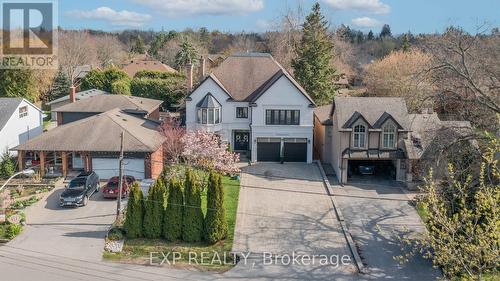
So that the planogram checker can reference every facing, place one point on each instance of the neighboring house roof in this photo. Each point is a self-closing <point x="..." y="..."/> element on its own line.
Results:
<point x="209" y="101"/>
<point x="103" y="103"/>
<point x="80" y="95"/>
<point x="8" y="106"/>
<point x="430" y="135"/>
<point x="152" y="65"/>
<point x="82" y="71"/>
<point x="100" y="132"/>
<point x="323" y="113"/>
<point x="372" y="109"/>
<point x="246" y="76"/>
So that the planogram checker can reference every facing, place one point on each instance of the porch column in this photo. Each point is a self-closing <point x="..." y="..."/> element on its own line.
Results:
<point x="42" y="163"/>
<point x="20" y="159"/>
<point x="64" y="156"/>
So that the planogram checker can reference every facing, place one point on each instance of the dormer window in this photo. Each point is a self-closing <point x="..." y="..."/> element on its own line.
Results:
<point x="208" y="110"/>
<point x="359" y="136"/>
<point x="389" y="136"/>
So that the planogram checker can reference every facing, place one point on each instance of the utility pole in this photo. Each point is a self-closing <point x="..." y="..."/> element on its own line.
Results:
<point x="120" y="180"/>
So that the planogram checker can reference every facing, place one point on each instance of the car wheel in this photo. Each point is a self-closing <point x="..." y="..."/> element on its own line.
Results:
<point x="85" y="200"/>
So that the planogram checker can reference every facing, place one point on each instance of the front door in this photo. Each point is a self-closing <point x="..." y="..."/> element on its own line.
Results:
<point x="241" y="140"/>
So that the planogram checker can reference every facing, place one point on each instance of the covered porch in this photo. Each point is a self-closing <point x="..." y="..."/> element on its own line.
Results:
<point x="51" y="164"/>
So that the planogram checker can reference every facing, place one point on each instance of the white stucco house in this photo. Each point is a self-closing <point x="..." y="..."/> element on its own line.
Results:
<point x="20" y="120"/>
<point x="256" y="107"/>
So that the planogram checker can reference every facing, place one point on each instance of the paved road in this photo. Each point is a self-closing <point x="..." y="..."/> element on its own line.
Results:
<point x="285" y="208"/>
<point x="375" y="211"/>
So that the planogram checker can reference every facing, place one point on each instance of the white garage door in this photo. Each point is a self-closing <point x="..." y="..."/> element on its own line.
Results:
<point x="107" y="168"/>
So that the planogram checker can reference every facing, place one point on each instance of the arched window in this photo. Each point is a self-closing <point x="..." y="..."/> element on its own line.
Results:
<point x="209" y="110"/>
<point x="359" y="136"/>
<point x="389" y="136"/>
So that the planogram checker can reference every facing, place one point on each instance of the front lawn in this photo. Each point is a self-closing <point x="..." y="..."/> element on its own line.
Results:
<point x="139" y="250"/>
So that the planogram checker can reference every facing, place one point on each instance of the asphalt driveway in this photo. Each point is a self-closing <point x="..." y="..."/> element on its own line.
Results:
<point x="375" y="211"/>
<point x="285" y="208"/>
<point x="72" y="232"/>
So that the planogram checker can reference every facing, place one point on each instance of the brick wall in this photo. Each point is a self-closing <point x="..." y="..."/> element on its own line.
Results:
<point x="154" y="164"/>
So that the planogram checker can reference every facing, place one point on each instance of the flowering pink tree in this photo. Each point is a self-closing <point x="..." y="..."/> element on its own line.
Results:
<point x="203" y="149"/>
<point x="174" y="140"/>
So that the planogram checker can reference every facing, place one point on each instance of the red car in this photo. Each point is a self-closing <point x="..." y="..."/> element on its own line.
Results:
<point x="111" y="188"/>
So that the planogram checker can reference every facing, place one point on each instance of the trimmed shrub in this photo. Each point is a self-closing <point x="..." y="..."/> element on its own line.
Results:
<point x="154" y="208"/>
<point x="154" y="74"/>
<point x="135" y="213"/>
<point x="192" y="227"/>
<point x="121" y="87"/>
<point x="169" y="90"/>
<point x="172" y="220"/>
<point x="215" y="220"/>
<point x="104" y="79"/>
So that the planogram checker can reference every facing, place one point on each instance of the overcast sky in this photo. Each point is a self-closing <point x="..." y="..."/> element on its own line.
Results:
<point x="422" y="16"/>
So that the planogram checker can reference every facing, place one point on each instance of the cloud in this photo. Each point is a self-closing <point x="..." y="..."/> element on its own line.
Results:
<point x="369" y="6"/>
<point x="117" y="18"/>
<point x="366" y="22"/>
<point x="203" y="7"/>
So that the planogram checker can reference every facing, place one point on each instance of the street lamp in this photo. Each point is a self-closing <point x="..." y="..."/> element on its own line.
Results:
<point x="27" y="172"/>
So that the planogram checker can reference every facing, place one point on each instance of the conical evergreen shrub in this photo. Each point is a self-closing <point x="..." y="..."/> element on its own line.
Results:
<point x="192" y="228"/>
<point x="215" y="220"/>
<point x="153" y="210"/>
<point x="172" y="219"/>
<point x="135" y="213"/>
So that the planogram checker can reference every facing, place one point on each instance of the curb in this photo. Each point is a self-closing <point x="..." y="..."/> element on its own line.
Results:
<point x="343" y="225"/>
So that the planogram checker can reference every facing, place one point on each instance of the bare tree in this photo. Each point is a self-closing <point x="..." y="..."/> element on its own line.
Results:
<point x="467" y="74"/>
<point x="110" y="50"/>
<point x="75" y="49"/>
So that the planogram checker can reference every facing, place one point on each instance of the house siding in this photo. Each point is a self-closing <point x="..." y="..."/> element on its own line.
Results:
<point x="19" y="130"/>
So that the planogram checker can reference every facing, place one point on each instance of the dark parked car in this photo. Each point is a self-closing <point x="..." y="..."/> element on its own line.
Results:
<point x="111" y="188"/>
<point x="79" y="190"/>
<point x="366" y="169"/>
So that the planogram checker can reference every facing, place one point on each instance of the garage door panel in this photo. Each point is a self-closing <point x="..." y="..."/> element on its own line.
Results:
<point x="107" y="168"/>
<point x="268" y="151"/>
<point x="295" y="152"/>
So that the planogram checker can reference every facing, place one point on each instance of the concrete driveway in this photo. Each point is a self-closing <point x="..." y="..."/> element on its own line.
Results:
<point x="285" y="208"/>
<point x="375" y="211"/>
<point x="71" y="232"/>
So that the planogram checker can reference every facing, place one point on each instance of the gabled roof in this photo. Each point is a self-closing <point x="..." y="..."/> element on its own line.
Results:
<point x="8" y="107"/>
<point x="323" y="113"/>
<point x="209" y="101"/>
<point x="146" y="64"/>
<point x="80" y="95"/>
<point x="100" y="133"/>
<point x="246" y="76"/>
<point x="386" y="116"/>
<point x="372" y="109"/>
<point x="354" y="118"/>
<point x="103" y="103"/>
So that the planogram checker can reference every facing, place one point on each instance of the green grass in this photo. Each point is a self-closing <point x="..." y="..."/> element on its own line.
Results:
<point x="139" y="250"/>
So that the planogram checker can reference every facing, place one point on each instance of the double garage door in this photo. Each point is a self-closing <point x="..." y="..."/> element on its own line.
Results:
<point x="292" y="149"/>
<point x="107" y="168"/>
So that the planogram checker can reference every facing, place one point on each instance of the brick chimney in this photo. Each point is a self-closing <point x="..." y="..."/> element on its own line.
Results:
<point x="189" y="76"/>
<point x="72" y="94"/>
<point x="202" y="70"/>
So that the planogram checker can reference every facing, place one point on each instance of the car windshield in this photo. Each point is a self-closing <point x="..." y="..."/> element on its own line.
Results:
<point x="77" y="184"/>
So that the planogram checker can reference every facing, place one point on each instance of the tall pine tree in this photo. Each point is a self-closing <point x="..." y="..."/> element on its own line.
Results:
<point x="61" y="85"/>
<point x="192" y="228"/>
<point x="135" y="213"/>
<point x="172" y="220"/>
<point x="215" y="221"/>
<point x="313" y="64"/>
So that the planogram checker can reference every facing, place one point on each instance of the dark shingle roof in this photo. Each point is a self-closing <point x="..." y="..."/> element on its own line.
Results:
<point x="323" y="114"/>
<point x="208" y="101"/>
<point x="7" y="107"/>
<point x="103" y="103"/>
<point x="372" y="109"/>
<point x="146" y="64"/>
<point x="80" y="95"/>
<point x="100" y="133"/>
